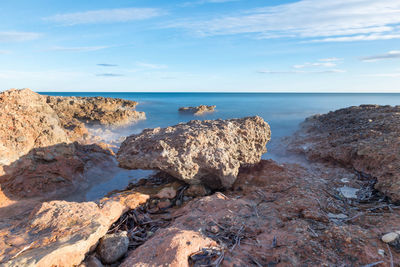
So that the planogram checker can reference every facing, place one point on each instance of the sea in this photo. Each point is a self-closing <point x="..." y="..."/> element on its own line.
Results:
<point x="283" y="111"/>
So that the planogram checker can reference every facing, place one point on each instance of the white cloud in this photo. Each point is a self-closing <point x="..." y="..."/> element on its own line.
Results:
<point x="77" y="49"/>
<point x="388" y="55"/>
<point x="302" y="71"/>
<point x="4" y="52"/>
<point x="13" y="36"/>
<point x="313" y="20"/>
<point x="201" y="2"/>
<point x="105" y="16"/>
<point x="315" y="64"/>
<point x="151" y="66"/>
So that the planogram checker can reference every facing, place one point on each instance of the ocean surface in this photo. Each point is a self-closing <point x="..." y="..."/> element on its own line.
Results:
<point x="283" y="111"/>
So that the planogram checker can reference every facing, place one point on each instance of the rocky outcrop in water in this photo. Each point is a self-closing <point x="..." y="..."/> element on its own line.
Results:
<point x="95" y="110"/>
<point x="199" y="110"/>
<point x="27" y="121"/>
<point x="209" y="152"/>
<point x="366" y="138"/>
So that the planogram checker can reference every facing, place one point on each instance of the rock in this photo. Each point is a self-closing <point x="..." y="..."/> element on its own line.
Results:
<point x="209" y="152"/>
<point x="390" y="237"/>
<point x="54" y="170"/>
<point x="168" y="247"/>
<point x="27" y="122"/>
<point x="60" y="233"/>
<point x="113" y="246"/>
<point x="92" y="261"/>
<point x="166" y="192"/>
<point x="365" y="138"/>
<point x="199" y="110"/>
<point x="95" y="110"/>
<point x="197" y="190"/>
<point x="164" y="204"/>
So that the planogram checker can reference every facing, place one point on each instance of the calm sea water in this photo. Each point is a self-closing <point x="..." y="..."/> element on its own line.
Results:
<point x="283" y="111"/>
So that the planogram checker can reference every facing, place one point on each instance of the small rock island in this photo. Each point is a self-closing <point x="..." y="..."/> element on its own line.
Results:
<point x="199" y="110"/>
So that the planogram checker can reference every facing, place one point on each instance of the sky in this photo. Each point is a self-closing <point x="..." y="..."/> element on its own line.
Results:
<point x="200" y="45"/>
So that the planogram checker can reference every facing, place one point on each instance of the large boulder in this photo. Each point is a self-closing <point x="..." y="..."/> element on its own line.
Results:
<point x="365" y="138"/>
<point x="27" y="122"/>
<point x="61" y="233"/>
<point x="199" y="110"/>
<point x="95" y="110"/>
<point x="209" y="152"/>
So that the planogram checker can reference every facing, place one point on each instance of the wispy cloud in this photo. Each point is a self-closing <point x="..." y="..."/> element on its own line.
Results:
<point x="202" y="2"/>
<point x="13" y="36"/>
<point x="109" y="75"/>
<point x="151" y="65"/>
<point x="388" y="55"/>
<point x="310" y="20"/>
<point x="107" y="65"/>
<point x="315" y="64"/>
<point x="302" y="71"/>
<point x="105" y="16"/>
<point x="77" y="49"/>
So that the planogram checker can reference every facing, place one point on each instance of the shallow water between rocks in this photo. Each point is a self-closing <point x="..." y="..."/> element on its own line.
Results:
<point x="283" y="111"/>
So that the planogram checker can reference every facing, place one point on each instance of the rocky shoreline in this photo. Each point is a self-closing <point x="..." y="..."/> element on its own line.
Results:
<point x="214" y="201"/>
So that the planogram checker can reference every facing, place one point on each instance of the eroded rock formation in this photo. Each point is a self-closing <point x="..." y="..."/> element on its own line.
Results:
<point x="209" y="152"/>
<point x="27" y="121"/>
<point x="366" y="138"/>
<point x="199" y="110"/>
<point x="95" y="110"/>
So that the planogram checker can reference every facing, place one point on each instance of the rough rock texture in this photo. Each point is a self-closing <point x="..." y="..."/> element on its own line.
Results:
<point x="60" y="233"/>
<point x="52" y="170"/>
<point x="279" y="215"/>
<point x="112" y="247"/>
<point x="95" y="110"/>
<point x="26" y="122"/>
<point x="366" y="138"/>
<point x="169" y="247"/>
<point x="197" y="110"/>
<point x="209" y="152"/>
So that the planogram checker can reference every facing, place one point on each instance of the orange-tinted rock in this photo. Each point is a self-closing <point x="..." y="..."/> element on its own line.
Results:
<point x="366" y="138"/>
<point x="27" y="122"/>
<point x="168" y="247"/>
<point x="199" y="110"/>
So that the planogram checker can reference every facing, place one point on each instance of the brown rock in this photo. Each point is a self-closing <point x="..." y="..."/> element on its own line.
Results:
<point x="199" y="110"/>
<point x="166" y="192"/>
<point x="112" y="247"/>
<point x="95" y="110"/>
<point x="366" y="138"/>
<point x="209" y="152"/>
<point x="168" y="247"/>
<point x="27" y="122"/>
<point x="60" y="233"/>
<point x="197" y="190"/>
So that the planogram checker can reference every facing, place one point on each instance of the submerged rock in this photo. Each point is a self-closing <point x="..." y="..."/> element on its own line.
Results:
<point x="95" y="110"/>
<point x="364" y="138"/>
<point x="113" y="246"/>
<point x="27" y="122"/>
<point x="199" y="110"/>
<point x="209" y="152"/>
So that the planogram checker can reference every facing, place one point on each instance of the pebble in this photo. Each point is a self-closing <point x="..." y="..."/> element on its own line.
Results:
<point x="164" y="204"/>
<point x="167" y="192"/>
<point x="390" y="237"/>
<point x="113" y="246"/>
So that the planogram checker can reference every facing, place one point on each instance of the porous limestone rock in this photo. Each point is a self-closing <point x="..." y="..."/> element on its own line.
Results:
<point x="365" y="138"/>
<point x="95" y="110"/>
<point x="209" y="152"/>
<point x="60" y="233"/>
<point x="199" y="110"/>
<point x="26" y="122"/>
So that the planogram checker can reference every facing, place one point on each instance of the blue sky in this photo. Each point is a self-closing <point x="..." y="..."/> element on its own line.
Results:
<point x="201" y="45"/>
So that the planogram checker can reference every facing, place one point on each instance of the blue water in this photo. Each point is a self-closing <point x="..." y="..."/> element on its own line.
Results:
<point x="283" y="111"/>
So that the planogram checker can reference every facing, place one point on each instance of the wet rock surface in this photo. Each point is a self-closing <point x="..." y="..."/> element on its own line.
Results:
<point x="365" y="138"/>
<point x="199" y="110"/>
<point x="209" y="152"/>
